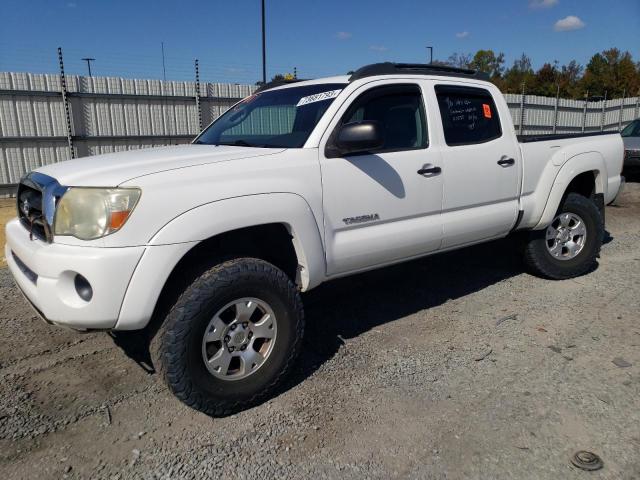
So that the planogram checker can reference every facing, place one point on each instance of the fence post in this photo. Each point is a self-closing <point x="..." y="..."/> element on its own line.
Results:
<point x="555" y="110"/>
<point x="624" y="94"/>
<point x="65" y="102"/>
<point x="604" y="106"/>
<point x="637" y="110"/>
<point x="584" y="111"/>
<point x="198" y="97"/>
<point x="522" y="105"/>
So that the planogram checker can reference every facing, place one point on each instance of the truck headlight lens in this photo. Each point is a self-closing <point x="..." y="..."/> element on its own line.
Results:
<point x="90" y="213"/>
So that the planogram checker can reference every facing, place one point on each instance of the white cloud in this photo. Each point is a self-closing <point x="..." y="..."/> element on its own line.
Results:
<point x="378" y="48"/>
<point x="568" y="23"/>
<point x="464" y="34"/>
<point x="542" y="3"/>
<point x="343" y="35"/>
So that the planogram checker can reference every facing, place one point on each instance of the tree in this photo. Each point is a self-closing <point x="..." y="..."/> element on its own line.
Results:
<point x="521" y="72"/>
<point x="568" y="79"/>
<point x="279" y="77"/>
<point x="488" y="62"/>
<point x="459" y="60"/>
<point x="612" y="72"/>
<point x="546" y="80"/>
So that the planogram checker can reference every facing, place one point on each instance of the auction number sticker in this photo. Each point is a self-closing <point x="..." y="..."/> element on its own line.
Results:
<point x="318" y="97"/>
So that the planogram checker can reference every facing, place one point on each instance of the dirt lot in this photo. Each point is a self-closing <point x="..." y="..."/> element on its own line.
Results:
<point x="456" y="366"/>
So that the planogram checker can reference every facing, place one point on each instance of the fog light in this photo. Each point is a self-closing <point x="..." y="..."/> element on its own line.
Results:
<point x="83" y="287"/>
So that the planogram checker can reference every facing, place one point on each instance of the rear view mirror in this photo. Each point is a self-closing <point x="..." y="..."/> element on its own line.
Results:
<point x="356" y="137"/>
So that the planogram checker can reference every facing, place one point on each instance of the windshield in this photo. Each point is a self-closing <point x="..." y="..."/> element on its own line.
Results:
<point x="274" y="118"/>
<point x="631" y="130"/>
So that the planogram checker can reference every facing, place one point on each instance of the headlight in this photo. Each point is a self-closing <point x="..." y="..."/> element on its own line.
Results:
<point x="90" y="213"/>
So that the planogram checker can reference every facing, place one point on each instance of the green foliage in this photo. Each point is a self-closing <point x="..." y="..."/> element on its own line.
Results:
<point x="488" y="62"/>
<point x="612" y="72"/>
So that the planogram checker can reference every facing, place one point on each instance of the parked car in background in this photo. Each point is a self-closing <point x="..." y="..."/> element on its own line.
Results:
<point x="631" y="138"/>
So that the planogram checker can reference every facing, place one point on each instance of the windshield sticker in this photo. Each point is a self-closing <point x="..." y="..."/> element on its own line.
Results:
<point x="318" y="97"/>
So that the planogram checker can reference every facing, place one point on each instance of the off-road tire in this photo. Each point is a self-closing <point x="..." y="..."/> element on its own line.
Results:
<point x="539" y="260"/>
<point x="176" y="348"/>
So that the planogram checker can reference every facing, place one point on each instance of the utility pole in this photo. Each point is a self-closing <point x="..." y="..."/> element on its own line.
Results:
<point x="264" y="49"/>
<point x="164" y="70"/>
<point x="89" y="60"/>
<point x="430" y="55"/>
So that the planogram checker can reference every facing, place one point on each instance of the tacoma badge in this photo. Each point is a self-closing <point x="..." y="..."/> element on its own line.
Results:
<point x="372" y="217"/>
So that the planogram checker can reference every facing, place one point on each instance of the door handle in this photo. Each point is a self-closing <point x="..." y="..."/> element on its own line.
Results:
<point x="430" y="170"/>
<point x="506" y="161"/>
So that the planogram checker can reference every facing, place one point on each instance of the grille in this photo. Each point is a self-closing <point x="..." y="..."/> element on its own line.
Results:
<point x="30" y="210"/>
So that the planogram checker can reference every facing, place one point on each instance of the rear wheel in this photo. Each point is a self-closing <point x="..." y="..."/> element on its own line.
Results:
<point x="569" y="246"/>
<point x="231" y="337"/>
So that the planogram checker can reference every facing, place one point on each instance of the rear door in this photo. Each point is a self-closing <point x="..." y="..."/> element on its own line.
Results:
<point x="377" y="207"/>
<point x="481" y="165"/>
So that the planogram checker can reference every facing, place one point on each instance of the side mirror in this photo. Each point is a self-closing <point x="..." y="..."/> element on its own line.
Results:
<point x="356" y="137"/>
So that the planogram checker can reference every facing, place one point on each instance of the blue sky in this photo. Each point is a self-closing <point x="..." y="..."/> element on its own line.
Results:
<point x="320" y="38"/>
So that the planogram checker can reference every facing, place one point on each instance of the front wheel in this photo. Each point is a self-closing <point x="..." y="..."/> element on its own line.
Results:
<point x="231" y="337"/>
<point x="570" y="244"/>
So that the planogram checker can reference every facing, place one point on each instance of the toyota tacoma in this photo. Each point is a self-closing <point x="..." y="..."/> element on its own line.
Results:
<point x="206" y="247"/>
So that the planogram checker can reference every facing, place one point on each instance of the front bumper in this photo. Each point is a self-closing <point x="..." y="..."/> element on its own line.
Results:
<point x="46" y="275"/>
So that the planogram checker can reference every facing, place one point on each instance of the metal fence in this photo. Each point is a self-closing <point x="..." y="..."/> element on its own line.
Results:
<point x="534" y="115"/>
<point x="40" y="125"/>
<point x="44" y="119"/>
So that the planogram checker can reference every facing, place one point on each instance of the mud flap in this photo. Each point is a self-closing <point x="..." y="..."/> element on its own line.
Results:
<point x="598" y="199"/>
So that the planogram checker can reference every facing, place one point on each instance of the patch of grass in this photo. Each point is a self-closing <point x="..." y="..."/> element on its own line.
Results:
<point x="7" y="212"/>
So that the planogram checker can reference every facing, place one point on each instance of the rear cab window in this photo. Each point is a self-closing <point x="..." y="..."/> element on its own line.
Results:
<point x="469" y="115"/>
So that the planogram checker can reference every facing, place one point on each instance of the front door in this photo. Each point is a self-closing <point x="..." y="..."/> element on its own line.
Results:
<point x="377" y="207"/>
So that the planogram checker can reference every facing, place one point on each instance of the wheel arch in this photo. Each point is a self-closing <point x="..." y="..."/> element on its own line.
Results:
<point x="279" y="228"/>
<point x="584" y="174"/>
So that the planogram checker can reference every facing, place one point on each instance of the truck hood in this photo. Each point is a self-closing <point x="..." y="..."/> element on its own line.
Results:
<point x="112" y="169"/>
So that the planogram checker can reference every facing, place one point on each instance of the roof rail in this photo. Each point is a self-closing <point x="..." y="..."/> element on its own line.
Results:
<point x="277" y="83"/>
<point x="388" y="68"/>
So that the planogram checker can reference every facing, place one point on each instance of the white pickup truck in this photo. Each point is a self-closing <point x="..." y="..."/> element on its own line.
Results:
<point x="207" y="246"/>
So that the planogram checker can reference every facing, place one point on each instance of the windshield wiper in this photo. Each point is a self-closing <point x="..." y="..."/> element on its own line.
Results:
<point x="236" y="143"/>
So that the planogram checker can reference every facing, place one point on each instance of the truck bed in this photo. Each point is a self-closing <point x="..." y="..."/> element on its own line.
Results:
<point x="560" y="136"/>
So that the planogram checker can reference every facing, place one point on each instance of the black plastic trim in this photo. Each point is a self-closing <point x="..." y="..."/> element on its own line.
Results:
<point x="389" y="68"/>
<point x="518" y="220"/>
<point x="598" y="199"/>
<point x="30" y="274"/>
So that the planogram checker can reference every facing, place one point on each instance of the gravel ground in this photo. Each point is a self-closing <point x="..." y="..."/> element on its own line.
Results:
<point x="455" y="366"/>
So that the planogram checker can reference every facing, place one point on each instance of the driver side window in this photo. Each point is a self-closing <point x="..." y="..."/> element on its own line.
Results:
<point x="398" y="110"/>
